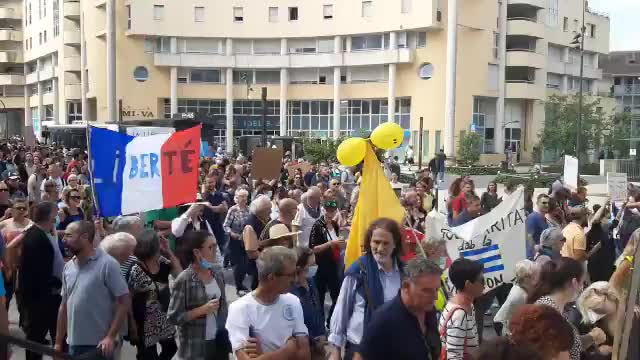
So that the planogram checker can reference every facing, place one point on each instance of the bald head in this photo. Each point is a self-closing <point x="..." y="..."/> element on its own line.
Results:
<point x="312" y="196"/>
<point x="288" y="209"/>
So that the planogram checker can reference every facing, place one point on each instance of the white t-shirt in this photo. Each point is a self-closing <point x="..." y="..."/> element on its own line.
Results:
<point x="305" y="222"/>
<point x="272" y="324"/>
<point x="213" y="292"/>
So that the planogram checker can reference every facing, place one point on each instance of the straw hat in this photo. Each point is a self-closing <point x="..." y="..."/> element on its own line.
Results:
<point x="281" y="230"/>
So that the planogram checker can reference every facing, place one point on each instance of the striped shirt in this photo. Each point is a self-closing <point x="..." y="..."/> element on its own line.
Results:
<point x="459" y="332"/>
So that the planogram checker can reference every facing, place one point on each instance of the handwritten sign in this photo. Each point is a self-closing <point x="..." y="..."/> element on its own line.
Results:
<point x="304" y="166"/>
<point x="617" y="186"/>
<point x="571" y="172"/>
<point x="266" y="163"/>
<point x="496" y="239"/>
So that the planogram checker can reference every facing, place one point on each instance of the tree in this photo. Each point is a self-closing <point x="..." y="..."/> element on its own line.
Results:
<point x="561" y="122"/>
<point x="468" y="148"/>
<point x="316" y="151"/>
<point x="618" y="135"/>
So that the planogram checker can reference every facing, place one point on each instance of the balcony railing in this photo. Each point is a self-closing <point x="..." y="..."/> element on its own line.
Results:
<point x="520" y="81"/>
<point x="530" y="19"/>
<point x="626" y="89"/>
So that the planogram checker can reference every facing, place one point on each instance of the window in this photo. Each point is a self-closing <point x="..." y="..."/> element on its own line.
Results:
<point x="496" y="45"/>
<point x="366" y="42"/>
<point x="74" y="111"/>
<point x="44" y="8"/>
<point x="29" y="15"/>
<point x="48" y="113"/>
<point x="592" y="30"/>
<point x="56" y="19"/>
<point x="273" y="14"/>
<point x="47" y="87"/>
<point x="238" y="14"/>
<point x="204" y="76"/>
<point x="198" y="14"/>
<point x="40" y="9"/>
<point x="327" y="12"/>
<point x="141" y="74"/>
<point x="40" y="38"/>
<point x="421" y="39"/>
<point x="267" y="76"/>
<point x="158" y="12"/>
<point x="552" y="12"/>
<point x="576" y="25"/>
<point x="405" y="6"/>
<point x="44" y="36"/>
<point x="493" y="78"/>
<point x="367" y="8"/>
<point x="128" y="17"/>
<point x="426" y="71"/>
<point x="565" y="24"/>
<point x="293" y="13"/>
<point x="163" y="45"/>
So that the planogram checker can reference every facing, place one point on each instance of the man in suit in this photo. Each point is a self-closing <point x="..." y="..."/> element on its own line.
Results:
<point x="40" y="276"/>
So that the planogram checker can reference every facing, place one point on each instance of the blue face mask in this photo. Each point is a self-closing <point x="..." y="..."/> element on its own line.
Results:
<point x="204" y="263"/>
<point x="57" y="221"/>
<point x="311" y="272"/>
<point x="442" y="262"/>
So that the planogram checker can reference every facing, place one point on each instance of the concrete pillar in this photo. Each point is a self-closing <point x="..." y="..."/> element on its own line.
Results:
<point x="391" y="94"/>
<point x="337" y="49"/>
<point x="565" y="54"/>
<point x="596" y="60"/>
<point x="27" y="103"/>
<point x="84" y="86"/>
<point x="40" y="92"/>
<point x="284" y="50"/>
<point x="173" y="79"/>
<point x="229" y="100"/>
<point x="56" y="99"/>
<point x="284" y="84"/>
<point x="498" y="131"/>
<point x="564" y="85"/>
<point x="348" y="44"/>
<point x="112" y="97"/>
<point x="450" y="95"/>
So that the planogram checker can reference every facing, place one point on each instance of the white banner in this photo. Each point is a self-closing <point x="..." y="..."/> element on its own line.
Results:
<point x="571" y="172"/>
<point x="496" y="239"/>
<point x="617" y="186"/>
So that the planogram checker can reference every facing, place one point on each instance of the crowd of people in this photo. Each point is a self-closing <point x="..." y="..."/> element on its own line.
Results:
<point x="82" y="283"/>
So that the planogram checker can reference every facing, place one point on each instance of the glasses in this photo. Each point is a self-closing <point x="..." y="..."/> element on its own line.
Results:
<point x="20" y="208"/>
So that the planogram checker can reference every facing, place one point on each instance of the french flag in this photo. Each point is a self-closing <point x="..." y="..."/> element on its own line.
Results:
<point x="132" y="174"/>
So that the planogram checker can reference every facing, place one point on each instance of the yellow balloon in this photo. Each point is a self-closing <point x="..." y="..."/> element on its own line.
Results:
<point x="351" y="151"/>
<point x="387" y="136"/>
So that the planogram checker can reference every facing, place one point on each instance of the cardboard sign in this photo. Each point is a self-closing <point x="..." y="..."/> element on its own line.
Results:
<point x="496" y="239"/>
<point x="617" y="186"/>
<point x="304" y="166"/>
<point x="570" y="176"/>
<point x="266" y="163"/>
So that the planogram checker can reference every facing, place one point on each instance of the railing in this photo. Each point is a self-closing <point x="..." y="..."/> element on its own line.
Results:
<point x="629" y="166"/>
<point x="626" y="89"/>
<point x="523" y="18"/>
<point x="520" y="81"/>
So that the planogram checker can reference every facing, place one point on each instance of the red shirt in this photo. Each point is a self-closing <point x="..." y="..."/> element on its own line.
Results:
<point x="459" y="203"/>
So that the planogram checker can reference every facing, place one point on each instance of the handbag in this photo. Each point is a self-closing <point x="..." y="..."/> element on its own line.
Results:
<point x="443" y="336"/>
<point x="164" y="293"/>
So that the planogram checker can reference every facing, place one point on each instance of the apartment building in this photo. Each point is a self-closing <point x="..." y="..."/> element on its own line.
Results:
<point x="11" y="74"/>
<point x="330" y="69"/>
<point x="622" y="70"/>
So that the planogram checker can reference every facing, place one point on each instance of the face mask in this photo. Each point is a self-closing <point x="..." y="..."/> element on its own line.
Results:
<point x="593" y="316"/>
<point x="442" y="262"/>
<point x="57" y="221"/>
<point x="311" y="272"/>
<point x="204" y="263"/>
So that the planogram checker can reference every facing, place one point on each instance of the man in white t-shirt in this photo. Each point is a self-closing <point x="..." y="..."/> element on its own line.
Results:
<point x="269" y="320"/>
<point x="309" y="211"/>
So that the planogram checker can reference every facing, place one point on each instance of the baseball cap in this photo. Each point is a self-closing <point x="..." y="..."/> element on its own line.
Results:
<point x="551" y="236"/>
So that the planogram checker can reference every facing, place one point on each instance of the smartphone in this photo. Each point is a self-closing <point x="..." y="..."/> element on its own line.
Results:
<point x="252" y="331"/>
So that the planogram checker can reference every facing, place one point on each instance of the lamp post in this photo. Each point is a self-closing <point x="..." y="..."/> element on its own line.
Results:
<point x="578" y="43"/>
<point x="6" y="120"/>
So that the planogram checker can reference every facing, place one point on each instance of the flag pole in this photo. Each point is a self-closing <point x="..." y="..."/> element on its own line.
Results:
<point x="90" y="168"/>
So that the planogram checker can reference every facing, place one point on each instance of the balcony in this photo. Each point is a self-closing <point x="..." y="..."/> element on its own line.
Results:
<point x="535" y="3"/>
<point x="71" y="10"/>
<point x="9" y="13"/>
<point x="72" y="38"/>
<point x="525" y="26"/>
<point x="516" y="89"/>
<point x="72" y="91"/>
<point x="11" y="79"/>
<point x="527" y="58"/>
<point x="72" y="63"/>
<point x="10" y="56"/>
<point x="589" y="72"/>
<point x="10" y="35"/>
<point x="370" y="57"/>
<point x="47" y="73"/>
<point x="32" y="78"/>
<point x="619" y="90"/>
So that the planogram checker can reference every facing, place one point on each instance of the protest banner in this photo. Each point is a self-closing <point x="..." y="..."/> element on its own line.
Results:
<point x="305" y="166"/>
<point x="617" y="186"/>
<point x="142" y="173"/>
<point x="570" y="175"/>
<point x="496" y="239"/>
<point x="266" y="163"/>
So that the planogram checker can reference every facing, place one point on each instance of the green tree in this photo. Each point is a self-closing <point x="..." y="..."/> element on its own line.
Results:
<point x="468" y="148"/>
<point x="316" y="151"/>
<point x="561" y="123"/>
<point x="618" y="134"/>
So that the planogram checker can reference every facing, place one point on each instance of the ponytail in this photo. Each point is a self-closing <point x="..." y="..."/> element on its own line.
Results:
<point x="554" y="275"/>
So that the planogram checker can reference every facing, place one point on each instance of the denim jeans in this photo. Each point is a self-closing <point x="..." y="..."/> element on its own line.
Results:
<point x="75" y="350"/>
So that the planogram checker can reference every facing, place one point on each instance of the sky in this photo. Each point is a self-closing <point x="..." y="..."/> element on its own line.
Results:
<point x="625" y="22"/>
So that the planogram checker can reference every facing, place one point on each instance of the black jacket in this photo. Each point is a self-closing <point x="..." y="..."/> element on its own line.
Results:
<point x="36" y="267"/>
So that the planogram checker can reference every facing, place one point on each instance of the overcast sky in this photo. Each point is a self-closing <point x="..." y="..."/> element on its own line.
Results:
<point x="625" y="22"/>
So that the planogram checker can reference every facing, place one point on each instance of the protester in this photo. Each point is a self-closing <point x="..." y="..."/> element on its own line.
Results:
<point x="537" y="222"/>
<point x="149" y="283"/>
<point x="490" y="199"/>
<point x="95" y="297"/>
<point x="579" y="198"/>
<point x="575" y="245"/>
<point x="406" y="327"/>
<point x="305" y="289"/>
<point x="551" y="242"/>
<point x="424" y="188"/>
<point x="71" y="211"/>
<point x="287" y="209"/>
<point x="41" y="265"/>
<point x="198" y="305"/>
<point x="543" y="328"/>
<point x="503" y="348"/>
<point x="440" y="161"/>
<point x="471" y="211"/>
<point x="194" y="220"/>
<point x="459" y="203"/>
<point x="309" y="211"/>
<point x="378" y="270"/>
<point x="526" y="273"/>
<point x="215" y="208"/>
<point x="560" y="282"/>
<point x="270" y="321"/>
<point x="326" y="246"/>
<point x="415" y="212"/>
<point x="600" y="244"/>
<point x="54" y="174"/>
<point x="457" y="326"/>
<point x="34" y="184"/>
<point x="10" y="230"/>
<point x="253" y="229"/>
<point x="50" y="191"/>
<point x="237" y="217"/>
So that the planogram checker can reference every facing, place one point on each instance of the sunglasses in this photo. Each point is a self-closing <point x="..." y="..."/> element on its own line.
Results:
<point x="335" y="184"/>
